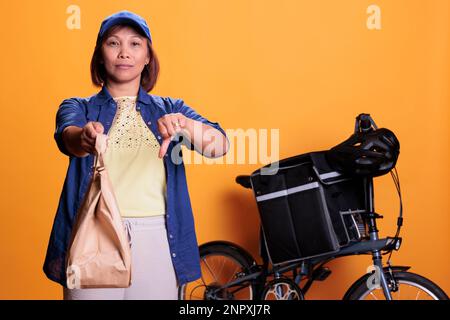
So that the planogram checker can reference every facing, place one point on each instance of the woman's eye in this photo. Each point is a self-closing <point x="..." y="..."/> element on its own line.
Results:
<point x="115" y="43"/>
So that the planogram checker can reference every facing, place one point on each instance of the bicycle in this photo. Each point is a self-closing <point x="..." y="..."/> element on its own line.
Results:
<point x="229" y="272"/>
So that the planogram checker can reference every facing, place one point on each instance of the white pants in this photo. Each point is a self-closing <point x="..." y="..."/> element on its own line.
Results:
<point x="153" y="275"/>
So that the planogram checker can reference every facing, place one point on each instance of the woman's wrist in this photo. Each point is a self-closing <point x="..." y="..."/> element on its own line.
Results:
<point x="71" y="137"/>
<point x="202" y="136"/>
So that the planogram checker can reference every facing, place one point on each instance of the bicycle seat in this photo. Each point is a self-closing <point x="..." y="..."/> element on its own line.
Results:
<point x="244" y="181"/>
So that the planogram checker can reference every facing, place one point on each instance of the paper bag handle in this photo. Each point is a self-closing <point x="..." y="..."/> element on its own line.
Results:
<point x="101" y="143"/>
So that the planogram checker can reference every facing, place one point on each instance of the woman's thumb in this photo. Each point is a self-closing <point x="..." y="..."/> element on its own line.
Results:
<point x="98" y="127"/>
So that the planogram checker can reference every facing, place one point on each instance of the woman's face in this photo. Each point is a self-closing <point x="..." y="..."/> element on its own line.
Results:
<point x="125" y="54"/>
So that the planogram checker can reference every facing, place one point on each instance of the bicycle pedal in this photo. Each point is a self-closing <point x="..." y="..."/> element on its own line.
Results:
<point x="321" y="274"/>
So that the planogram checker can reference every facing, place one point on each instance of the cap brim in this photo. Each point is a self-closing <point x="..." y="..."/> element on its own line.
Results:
<point x="122" y="20"/>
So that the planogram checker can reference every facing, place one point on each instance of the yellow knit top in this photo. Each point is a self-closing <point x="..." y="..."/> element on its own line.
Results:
<point x="136" y="172"/>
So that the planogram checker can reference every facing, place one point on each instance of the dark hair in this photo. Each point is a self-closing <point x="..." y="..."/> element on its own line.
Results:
<point x="149" y="74"/>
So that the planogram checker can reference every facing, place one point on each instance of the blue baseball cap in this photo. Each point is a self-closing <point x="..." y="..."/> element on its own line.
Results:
<point x="124" y="16"/>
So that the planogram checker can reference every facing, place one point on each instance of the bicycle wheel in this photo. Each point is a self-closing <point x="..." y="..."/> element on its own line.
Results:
<point x="410" y="286"/>
<point x="220" y="264"/>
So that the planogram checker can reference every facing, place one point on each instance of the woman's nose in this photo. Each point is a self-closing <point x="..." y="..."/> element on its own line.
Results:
<point x="123" y="53"/>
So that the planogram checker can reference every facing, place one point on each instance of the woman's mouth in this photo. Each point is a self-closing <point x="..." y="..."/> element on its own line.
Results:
<point x="124" y="66"/>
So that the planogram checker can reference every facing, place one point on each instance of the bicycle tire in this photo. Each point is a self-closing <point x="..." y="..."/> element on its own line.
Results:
<point x="243" y="259"/>
<point x="360" y="290"/>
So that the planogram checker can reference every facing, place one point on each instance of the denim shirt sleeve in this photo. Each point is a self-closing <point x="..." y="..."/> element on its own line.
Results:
<point x="70" y="113"/>
<point x="180" y="107"/>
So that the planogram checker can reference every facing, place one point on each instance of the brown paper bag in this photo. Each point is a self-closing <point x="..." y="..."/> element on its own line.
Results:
<point x="99" y="253"/>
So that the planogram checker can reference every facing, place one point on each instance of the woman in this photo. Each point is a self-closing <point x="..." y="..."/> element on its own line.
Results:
<point x="143" y="160"/>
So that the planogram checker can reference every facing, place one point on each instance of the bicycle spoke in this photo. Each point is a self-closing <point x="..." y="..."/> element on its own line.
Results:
<point x="209" y="269"/>
<point x="202" y="279"/>
<point x="227" y="276"/>
<point x="221" y="268"/>
<point x="418" y="293"/>
<point x="192" y="295"/>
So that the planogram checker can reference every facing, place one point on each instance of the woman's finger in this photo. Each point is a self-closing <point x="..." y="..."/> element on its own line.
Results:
<point x="162" y="127"/>
<point x="88" y="147"/>
<point x="98" y="127"/>
<point x="85" y="137"/>
<point x="182" y="120"/>
<point x="169" y="122"/>
<point x="164" y="147"/>
<point x="91" y="132"/>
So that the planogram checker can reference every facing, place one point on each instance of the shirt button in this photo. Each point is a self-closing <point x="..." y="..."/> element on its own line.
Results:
<point x="170" y="236"/>
<point x="174" y="255"/>
<point x="149" y="123"/>
<point x="159" y="137"/>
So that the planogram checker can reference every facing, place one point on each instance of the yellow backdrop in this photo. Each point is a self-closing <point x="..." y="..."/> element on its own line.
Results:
<point x="304" y="67"/>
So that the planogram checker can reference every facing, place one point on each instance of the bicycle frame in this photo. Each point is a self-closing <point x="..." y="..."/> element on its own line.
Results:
<point x="258" y="273"/>
<point x="373" y="233"/>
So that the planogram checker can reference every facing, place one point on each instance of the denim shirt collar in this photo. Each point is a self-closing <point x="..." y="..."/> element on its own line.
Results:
<point x="103" y="97"/>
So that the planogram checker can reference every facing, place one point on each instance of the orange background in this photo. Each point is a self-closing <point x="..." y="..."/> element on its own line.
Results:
<point x="305" y="67"/>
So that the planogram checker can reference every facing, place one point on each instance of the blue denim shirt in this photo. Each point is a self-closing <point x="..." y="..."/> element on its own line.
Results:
<point x="179" y="218"/>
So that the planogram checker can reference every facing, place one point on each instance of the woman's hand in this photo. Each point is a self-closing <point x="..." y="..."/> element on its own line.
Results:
<point x="169" y="125"/>
<point x="205" y="139"/>
<point x="88" y="135"/>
